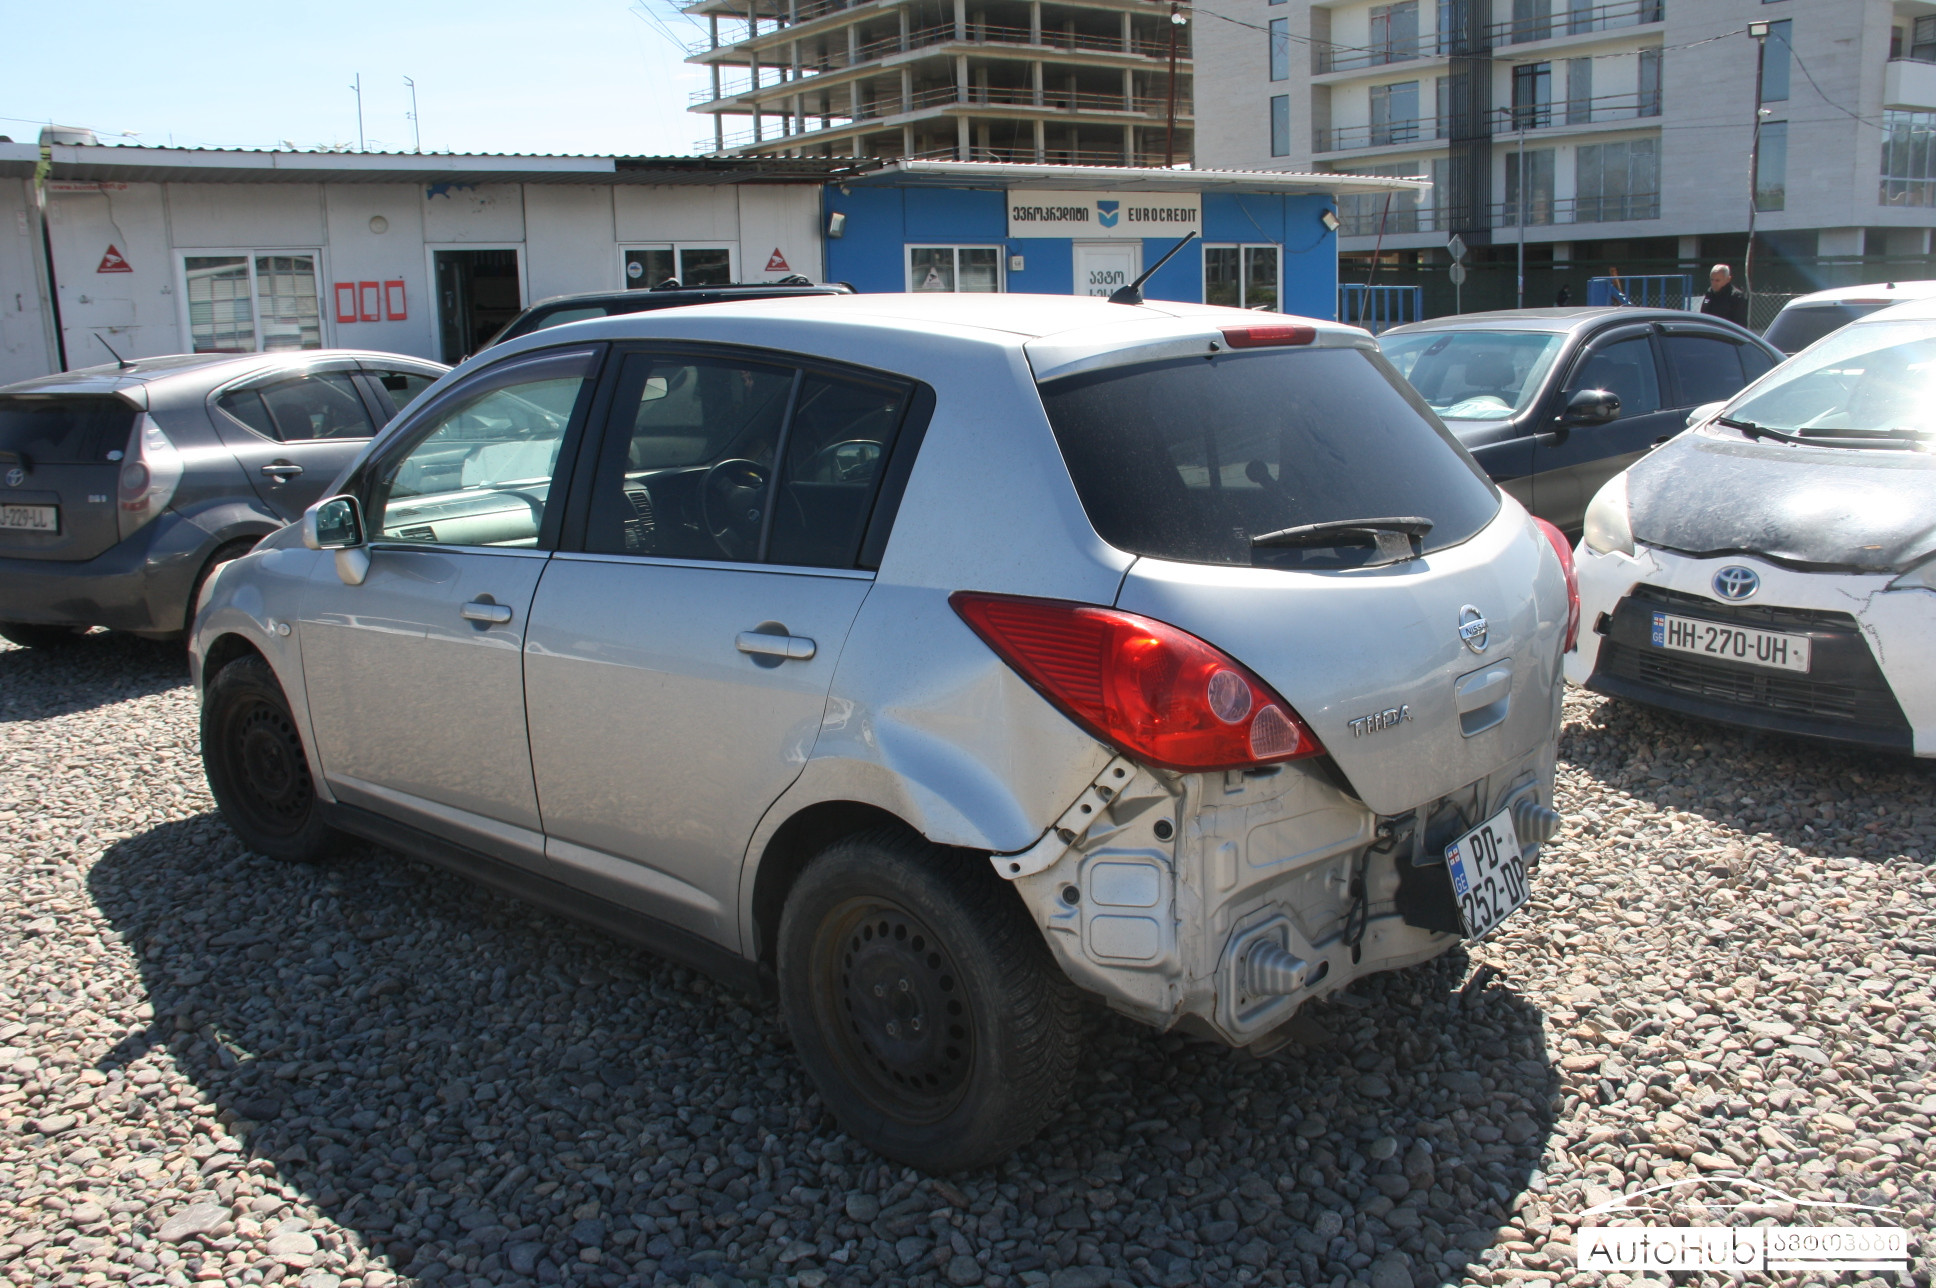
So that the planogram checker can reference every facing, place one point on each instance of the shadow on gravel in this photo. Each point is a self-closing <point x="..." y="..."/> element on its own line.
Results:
<point x="1813" y="796"/>
<point x="483" y="1093"/>
<point x="94" y="671"/>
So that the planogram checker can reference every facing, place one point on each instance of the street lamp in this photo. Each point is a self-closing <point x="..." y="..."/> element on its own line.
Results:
<point x="1758" y="31"/>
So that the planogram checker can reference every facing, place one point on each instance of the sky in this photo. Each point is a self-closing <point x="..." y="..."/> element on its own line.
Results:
<point x="569" y="76"/>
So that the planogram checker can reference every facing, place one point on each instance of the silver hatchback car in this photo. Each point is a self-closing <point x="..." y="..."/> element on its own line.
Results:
<point x="928" y="662"/>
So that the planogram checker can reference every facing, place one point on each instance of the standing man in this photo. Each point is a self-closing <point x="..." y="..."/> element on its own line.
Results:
<point x="1724" y="299"/>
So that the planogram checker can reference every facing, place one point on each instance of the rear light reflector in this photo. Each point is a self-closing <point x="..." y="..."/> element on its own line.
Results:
<point x="1155" y="692"/>
<point x="1565" y="552"/>
<point x="1266" y="337"/>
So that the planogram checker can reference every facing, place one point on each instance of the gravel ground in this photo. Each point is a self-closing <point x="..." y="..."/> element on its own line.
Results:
<point x="218" y="1069"/>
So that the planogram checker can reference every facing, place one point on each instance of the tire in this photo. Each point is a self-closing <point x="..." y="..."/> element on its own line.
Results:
<point x="28" y="636"/>
<point x="227" y="554"/>
<point x="256" y="768"/>
<point x="884" y="931"/>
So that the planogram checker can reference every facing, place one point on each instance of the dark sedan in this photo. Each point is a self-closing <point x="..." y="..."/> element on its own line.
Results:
<point x="1554" y="402"/>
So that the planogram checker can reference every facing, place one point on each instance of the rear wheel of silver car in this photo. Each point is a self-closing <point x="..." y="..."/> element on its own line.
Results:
<point x="924" y="1003"/>
<point x="256" y="768"/>
<point x="30" y="636"/>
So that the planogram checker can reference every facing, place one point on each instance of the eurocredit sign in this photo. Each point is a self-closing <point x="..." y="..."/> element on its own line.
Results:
<point x="1103" y="216"/>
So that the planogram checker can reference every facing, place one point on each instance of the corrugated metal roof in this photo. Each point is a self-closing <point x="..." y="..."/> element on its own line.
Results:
<point x="140" y="164"/>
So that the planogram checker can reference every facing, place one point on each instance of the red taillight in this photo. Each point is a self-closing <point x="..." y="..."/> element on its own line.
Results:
<point x="1565" y="552"/>
<point x="1160" y="694"/>
<point x="1264" y="337"/>
<point x="134" y="486"/>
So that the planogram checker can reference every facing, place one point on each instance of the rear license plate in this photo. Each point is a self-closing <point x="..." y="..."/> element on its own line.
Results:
<point x="30" y="518"/>
<point x="1487" y="874"/>
<point x="1731" y="643"/>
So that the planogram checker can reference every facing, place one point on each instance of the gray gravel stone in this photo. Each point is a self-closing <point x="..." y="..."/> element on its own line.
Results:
<point x="385" y="1073"/>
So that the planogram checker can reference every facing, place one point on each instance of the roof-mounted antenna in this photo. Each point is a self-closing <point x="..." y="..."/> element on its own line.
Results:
<point x="122" y="362"/>
<point x="1133" y="293"/>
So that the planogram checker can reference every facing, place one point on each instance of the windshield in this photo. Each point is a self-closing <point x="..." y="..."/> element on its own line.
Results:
<point x="1794" y="329"/>
<point x="1475" y="375"/>
<point x="1189" y="459"/>
<point x="1870" y="380"/>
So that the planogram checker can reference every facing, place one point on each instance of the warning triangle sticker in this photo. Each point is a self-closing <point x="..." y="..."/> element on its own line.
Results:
<point x="776" y="263"/>
<point x="933" y="282"/>
<point x="114" y="262"/>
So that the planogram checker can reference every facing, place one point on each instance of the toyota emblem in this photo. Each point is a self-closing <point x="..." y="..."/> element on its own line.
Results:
<point x="16" y="476"/>
<point x="1736" y="582"/>
<point x="1472" y="628"/>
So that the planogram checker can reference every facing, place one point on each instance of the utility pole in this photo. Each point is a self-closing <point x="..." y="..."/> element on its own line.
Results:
<point x="358" y="87"/>
<point x="1169" y="134"/>
<point x="1759" y="32"/>
<point x="416" y="126"/>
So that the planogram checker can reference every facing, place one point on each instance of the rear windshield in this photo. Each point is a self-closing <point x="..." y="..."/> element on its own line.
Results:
<point x="1795" y="329"/>
<point x="64" y="429"/>
<point x="1189" y="459"/>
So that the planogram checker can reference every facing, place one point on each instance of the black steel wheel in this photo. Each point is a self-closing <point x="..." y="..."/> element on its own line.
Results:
<point x="924" y="1002"/>
<point x="257" y="770"/>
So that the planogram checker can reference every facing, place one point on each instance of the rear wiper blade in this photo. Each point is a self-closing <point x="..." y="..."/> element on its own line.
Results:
<point x="1398" y="537"/>
<point x="1889" y="438"/>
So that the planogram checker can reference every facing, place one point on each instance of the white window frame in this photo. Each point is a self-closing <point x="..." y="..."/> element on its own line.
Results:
<point x="1243" y="278"/>
<point x="1001" y="263"/>
<point x="731" y="249"/>
<point x="325" y="297"/>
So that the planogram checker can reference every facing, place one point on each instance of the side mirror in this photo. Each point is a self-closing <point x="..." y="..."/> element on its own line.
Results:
<point x="1591" y="407"/>
<point x="337" y="524"/>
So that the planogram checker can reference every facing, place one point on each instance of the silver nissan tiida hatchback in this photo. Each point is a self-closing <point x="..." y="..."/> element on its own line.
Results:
<point x="928" y="662"/>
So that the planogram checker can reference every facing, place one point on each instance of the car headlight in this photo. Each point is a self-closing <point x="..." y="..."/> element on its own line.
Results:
<point x="1608" y="527"/>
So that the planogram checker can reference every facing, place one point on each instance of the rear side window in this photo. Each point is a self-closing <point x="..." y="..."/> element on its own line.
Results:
<point x="325" y="405"/>
<point x="64" y="430"/>
<point x="1190" y="459"/>
<point x="1706" y="368"/>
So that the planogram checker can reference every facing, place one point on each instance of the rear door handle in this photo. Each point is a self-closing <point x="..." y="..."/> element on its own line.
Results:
<point x="280" y="470"/>
<point x="483" y="610"/>
<point x="796" y="647"/>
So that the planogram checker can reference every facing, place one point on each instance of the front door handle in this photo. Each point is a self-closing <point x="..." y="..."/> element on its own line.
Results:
<point x="795" y="647"/>
<point x="483" y="610"/>
<point x="282" y="471"/>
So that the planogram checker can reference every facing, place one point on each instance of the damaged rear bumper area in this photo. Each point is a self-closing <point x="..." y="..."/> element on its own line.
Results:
<point x="1223" y="902"/>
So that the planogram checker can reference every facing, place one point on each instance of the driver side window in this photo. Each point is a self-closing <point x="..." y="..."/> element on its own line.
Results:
<point x="726" y="459"/>
<point x="478" y="472"/>
<point x="1626" y="369"/>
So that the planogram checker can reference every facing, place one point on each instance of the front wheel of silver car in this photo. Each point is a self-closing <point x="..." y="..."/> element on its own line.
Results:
<point x="256" y="767"/>
<point x="924" y="1003"/>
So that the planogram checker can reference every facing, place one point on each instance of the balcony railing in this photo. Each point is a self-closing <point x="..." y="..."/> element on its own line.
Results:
<point x="1575" y="20"/>
<point x="1146" y="105"/>
<point x="1544" y="211"/>
<point x="1579" y="111"/>
<point x="988" y="33"/>
<point x="1540" y="212"/>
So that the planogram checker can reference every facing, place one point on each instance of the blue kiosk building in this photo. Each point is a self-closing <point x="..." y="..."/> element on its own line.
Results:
<point x="1266" y="240"/>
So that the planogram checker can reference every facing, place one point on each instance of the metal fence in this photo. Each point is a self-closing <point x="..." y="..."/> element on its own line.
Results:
<point x="1377" y="307"/>
<point x="1654" y="291"/>
<point x="1762" y="307"/>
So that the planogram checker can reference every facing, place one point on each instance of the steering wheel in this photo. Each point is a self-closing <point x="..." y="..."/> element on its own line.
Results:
<point x="730" y="500"/>
<point x="850" y="461"/>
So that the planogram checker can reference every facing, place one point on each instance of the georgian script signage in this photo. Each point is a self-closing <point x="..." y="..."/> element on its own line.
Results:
<point x="1103" y="216"/>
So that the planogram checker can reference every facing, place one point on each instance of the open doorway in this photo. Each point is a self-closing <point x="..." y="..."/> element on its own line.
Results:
<point x="477" y="293"/>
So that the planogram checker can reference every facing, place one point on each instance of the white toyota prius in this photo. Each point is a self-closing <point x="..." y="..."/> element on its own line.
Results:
<point x="1775" y="566"/>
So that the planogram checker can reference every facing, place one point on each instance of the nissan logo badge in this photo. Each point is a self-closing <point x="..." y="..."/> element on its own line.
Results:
<point x="1736" y="582"/>
<point x="1472" y="628"/>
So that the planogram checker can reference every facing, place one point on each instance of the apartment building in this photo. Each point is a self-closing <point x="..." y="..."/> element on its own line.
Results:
<point x="1602" y="135"/>
<point x="1088" y="82"/>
